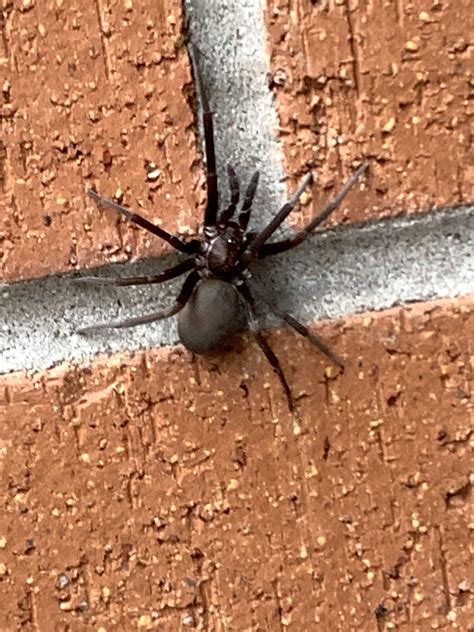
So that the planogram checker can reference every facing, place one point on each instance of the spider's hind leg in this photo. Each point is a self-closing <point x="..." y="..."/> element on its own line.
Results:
<point x="276" y="366"/>
<point x="181" y="300"/>
<point x="263" y="344"/>
<point x="312" y="337"/>
<point x="305" y="332"/>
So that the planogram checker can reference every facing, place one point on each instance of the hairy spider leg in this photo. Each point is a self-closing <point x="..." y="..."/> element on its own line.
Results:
<point x="166" y="275"/>
<point x="286" y="244"/>
<point x="180" y="302"/>
<point x="278" y="219"/>
<point x="270" y="355"/>
<point x="234" y="187"/>
<point x="304" y="331"/>
<point x="285" y="210"/>
<point x="210" y="215"/>
<point x="244" y="214"/>
<point x="190" y="247"/>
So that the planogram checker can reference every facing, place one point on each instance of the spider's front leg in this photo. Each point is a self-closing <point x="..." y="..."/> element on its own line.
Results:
<point x="210" y="215"/>
<point x="190" y="247"/>
<point x="261" y="249"/>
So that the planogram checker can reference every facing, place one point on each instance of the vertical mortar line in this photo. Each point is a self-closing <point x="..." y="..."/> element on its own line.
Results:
<point x="235" y="64"/>
<point x="105" y="54"/>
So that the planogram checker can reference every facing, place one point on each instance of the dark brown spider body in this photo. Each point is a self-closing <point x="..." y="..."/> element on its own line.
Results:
<point x="215" y="310"/>
<point x="212" y="314"/>
<point x="224" y="250"/>
<point x="216" y="297"/>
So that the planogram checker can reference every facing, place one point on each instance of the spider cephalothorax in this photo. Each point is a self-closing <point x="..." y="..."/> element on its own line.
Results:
<point x="216" y="297"/>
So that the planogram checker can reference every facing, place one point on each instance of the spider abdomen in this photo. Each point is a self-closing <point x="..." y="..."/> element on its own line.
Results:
<point x="213" y="313"/>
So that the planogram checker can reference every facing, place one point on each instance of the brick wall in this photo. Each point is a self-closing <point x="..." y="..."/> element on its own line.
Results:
<point x="144" y="488"/>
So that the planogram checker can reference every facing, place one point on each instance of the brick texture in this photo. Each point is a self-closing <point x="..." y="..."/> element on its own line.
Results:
<point x="391" y="81"/>
<point x="150" y="492"/>
<point x="100" y="96"/>
<point x="156" y="491"/>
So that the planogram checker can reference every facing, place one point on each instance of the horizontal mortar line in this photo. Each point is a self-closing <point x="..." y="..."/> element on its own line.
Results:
<point x="337" y="273"/>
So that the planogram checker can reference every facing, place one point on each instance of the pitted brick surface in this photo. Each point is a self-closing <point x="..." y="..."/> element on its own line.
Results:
<point x="153" y="492"/>
<point x="93" y="94"/>
<point x="391" y="81"/>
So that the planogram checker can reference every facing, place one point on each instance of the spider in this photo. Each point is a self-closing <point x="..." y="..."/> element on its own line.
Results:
<point x="218" y="292"/>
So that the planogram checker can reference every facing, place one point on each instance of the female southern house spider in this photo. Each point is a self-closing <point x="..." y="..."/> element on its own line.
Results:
<point x="217" y="291"/>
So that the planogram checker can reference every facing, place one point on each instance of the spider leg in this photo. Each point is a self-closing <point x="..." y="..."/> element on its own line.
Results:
<point x="210" y="215"/>
<point x="270" y="355"/>
<point x="189" y="248"/>
<point x="166" y="275"/>
<point x="285" y="210"/>
<point x="179" y="303"/>
<point x="286" y="244"/>
<point x="234" y="187"/>
<point x="305" y="332"/>
<point x="244" y="214"/>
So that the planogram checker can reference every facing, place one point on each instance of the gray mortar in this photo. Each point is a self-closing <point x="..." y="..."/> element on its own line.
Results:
<point x="337" y="273"/>
<point x="231" y="38"/>
<point x="341" y="272"/>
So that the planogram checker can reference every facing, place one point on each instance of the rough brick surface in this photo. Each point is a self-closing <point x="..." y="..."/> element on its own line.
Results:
<point x="151" y="492"/>
<point x="93" y="94"/>
<point x="391" y="81"/>
<point x="154" y="491"/>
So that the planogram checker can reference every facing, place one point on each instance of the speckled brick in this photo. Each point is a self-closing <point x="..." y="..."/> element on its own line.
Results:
<point x="391" y="81"/>
<point x="155" y="492"/>
<point x="93" y="94"/>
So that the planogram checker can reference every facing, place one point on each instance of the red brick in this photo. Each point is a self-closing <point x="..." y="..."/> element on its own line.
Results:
<point x="154" y="491"/>
<point x="88" y="101"/>
<point x="387" y="81"/>
<point x="159" y="485"/>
